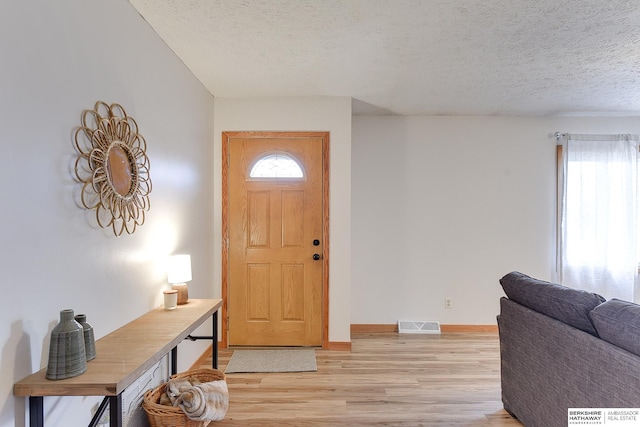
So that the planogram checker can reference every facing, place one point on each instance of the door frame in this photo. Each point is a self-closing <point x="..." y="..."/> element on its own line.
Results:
<point x="226" y="139"/>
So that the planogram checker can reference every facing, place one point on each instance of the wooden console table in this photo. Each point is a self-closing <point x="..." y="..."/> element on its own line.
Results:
<point x="122" y="356"/>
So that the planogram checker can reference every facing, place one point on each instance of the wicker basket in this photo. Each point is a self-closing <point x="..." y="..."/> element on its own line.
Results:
<point x="169" y="416"/>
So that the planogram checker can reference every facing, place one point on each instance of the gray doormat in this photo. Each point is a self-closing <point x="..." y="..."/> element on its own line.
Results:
<point x="272" y="361"/>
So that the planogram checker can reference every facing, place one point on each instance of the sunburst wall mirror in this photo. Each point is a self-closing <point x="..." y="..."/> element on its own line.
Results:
<point x="113" y="167"/>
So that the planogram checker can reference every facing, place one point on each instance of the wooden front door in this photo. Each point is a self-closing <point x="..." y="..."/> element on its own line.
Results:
<point x="276" y="236"/>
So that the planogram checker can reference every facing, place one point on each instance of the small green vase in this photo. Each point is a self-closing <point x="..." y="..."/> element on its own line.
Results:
<point x="67" y="356"/>
<point x="89" y="339"/>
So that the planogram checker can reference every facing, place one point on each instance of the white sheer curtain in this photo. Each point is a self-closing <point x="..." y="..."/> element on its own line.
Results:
<point x="599" y="214"/>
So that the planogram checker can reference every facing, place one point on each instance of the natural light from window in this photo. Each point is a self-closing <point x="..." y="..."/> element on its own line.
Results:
<point x="276" y="166"/>
<point x="584" y="223"/>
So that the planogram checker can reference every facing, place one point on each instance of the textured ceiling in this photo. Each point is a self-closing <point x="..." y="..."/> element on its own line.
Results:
<point x="414" y="57"/>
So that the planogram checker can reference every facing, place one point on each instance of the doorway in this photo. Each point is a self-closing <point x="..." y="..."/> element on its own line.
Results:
<point x="275" y="238"/>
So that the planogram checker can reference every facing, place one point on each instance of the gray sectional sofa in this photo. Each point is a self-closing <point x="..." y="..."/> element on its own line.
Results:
<point x="564" y="348"/>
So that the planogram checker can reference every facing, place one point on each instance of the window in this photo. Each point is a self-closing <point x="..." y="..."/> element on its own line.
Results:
<point x="598" y="215"/>
<point x="277" y="165"/>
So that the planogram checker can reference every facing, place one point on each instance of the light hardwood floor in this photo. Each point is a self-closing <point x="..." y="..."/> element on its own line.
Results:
<point x="387" y="379"/>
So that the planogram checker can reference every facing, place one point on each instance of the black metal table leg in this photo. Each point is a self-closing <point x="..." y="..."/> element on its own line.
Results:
<point x="115" y="411"/>
<point x="214" y="341"/>
<point x="174" y="360"/>
<point x="36" y="411"/>
<point x="100" y="412"/>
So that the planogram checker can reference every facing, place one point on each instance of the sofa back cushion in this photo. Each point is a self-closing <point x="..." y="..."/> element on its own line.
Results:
<point x="618" y="322"/>
<point x="571" y="306"/>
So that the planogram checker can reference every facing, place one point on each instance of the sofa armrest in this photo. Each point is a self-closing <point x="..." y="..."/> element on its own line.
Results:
<point x="548" y="367"/>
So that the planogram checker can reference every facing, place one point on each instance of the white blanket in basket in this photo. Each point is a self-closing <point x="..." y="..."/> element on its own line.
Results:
<point x="200" y="401"/>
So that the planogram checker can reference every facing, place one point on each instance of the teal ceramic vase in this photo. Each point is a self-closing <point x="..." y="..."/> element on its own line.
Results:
<point x="89" y="339"/>
<point x="67" y="357"/>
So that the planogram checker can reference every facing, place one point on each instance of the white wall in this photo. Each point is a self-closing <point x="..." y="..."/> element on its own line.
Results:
<point x="59" y="58"/>
<point x="445" y="206"/>
<point x="331" y="114"/>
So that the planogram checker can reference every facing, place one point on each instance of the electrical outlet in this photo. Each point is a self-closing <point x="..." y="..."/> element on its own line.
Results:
<point x="448" y="302"/>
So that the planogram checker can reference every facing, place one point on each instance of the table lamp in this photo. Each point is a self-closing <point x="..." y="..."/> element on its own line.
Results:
<point x="178" y="274"/>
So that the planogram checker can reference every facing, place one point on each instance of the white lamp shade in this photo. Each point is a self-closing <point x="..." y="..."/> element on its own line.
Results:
<point x="179" y="269"/>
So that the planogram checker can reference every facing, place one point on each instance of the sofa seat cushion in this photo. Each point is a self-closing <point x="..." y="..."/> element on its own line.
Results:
<point x="568" y="305"/>
<point x="618" y="322"/>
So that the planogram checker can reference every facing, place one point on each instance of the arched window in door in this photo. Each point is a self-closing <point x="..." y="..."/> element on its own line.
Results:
<point x="277" y="165"/>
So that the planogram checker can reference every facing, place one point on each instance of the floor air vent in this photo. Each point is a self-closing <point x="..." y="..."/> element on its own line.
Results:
<point x="416" y="327"/>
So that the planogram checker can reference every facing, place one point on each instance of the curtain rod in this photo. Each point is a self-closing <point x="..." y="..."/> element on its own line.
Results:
<point x="559" y="135"/>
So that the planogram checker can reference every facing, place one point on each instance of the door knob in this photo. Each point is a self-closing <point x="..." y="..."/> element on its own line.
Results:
<point x="316" y="257"/>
